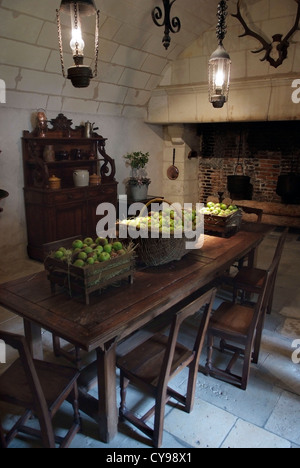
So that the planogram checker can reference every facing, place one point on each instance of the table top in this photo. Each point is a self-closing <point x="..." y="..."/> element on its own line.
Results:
<point x="119" y="311"/>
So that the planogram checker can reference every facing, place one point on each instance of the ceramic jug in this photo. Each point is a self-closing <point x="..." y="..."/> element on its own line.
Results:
<point x="81" y="178"/>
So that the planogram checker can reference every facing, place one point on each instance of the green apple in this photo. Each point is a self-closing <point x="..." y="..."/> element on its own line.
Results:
<point x="77" y="244"/>
<point x="88" y="250"/>
<point x="88" y="241"/>
<point x="90" y="261"/>
<point x="101" y="241"/>
<point x="104" y="257"/>
<point x="107" y="248"/>
<point x="79" y="263"/>
<point x="118" y="245"/>
<point x="59" y="254"/>
<point x="82" y="256"/>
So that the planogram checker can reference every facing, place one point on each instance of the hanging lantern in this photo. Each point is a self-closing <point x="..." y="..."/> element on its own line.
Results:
<point x="79" y="74"/>
<point x="219" y="64"/>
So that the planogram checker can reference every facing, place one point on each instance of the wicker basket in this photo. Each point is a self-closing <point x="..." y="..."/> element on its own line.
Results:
<point x="160" y="251"/>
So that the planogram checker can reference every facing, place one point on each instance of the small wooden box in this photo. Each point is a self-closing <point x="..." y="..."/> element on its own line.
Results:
<point x="225" y="225"/>
<point x="89" y="278"/>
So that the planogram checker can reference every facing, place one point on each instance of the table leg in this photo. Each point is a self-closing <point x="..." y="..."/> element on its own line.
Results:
<point x="107" y="400"/>
<point x="33" y="334"/>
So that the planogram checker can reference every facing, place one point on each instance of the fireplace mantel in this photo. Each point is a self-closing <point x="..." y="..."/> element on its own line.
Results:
<point x="252" y="99"/>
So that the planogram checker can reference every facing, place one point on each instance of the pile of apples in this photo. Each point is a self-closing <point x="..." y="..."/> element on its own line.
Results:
<point x="89" y="252"/>
<point x="169" y="221"/>
<point x="219" y="209"/>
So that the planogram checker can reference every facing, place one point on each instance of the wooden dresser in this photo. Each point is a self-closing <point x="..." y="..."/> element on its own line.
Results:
<point x="54" y="214"/>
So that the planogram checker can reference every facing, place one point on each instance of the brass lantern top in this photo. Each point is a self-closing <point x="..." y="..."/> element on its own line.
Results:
<point x="86" y="7"/>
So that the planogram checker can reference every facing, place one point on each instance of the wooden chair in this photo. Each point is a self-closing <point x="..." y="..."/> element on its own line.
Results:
<point x="259" y="213"/>
<point x="239" y="328"/>
<point x="251" y="210"/>
<point x="154" y="363"/>
<point x="251" y="280"/>
<point x="41" y="388"/>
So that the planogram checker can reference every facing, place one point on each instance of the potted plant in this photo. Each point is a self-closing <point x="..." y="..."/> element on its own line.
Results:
<point x="138" y="183"/>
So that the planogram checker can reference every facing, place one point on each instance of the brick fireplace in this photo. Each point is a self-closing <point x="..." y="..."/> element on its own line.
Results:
<point x="265" y="150"/>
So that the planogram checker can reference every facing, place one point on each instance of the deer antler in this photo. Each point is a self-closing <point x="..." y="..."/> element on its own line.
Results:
<point x="296" y="25"/>
<point x="283" y="44"/>
<point x="248" y="32"/>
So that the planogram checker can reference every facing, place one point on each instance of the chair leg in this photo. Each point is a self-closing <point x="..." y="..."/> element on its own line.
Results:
<point x="210" y="343"/>
<point x="75" y="404"/>
<point x="246" y="367"/>
<point x="159" y="421"/>
<point x="124" y="382"/>
<point x="3" y="443"/>
<point x="257" y="339"/>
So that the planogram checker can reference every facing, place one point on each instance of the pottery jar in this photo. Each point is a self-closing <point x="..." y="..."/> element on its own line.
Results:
<point x="95" y="179"/>
<point x="54" y="183"/>
<point x="81" y="178"/>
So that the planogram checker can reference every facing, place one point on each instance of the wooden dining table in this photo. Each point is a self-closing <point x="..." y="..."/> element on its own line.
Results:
<point x="120" y="311"/>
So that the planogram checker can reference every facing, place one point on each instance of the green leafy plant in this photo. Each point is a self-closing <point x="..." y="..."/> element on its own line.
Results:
<point x="138" y="161"/>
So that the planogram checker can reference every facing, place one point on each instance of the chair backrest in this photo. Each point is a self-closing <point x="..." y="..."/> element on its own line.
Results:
<point x="280" y="245"/>
<point x="275" y="263"/>
<point x="182" y="311"/>
<point x="19" y="343"/>
<point x="267" y="290"/>
<point x="250" y="210"/>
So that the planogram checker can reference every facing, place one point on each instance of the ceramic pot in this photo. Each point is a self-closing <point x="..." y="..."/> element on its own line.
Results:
<point x="95" y="179"/>
<point x="81" y="178"/>
<point x="54" y="183"/>
<point x="138" y="192"/>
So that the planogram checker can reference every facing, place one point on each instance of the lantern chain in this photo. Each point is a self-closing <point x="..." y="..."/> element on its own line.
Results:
<point x="76" y="26"/>
<point x="97" y="42"/>
<point x="221" y="26"/>
<point x="60" y="44"/>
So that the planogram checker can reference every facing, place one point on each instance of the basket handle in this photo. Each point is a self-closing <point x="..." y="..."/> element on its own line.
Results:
<point x="154" y="200"/>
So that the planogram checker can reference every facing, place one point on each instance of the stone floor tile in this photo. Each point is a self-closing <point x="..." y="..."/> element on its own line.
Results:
<point x="247" y="435"/>
<point x="205" y="427"/>
<point x="291" y="328"/>
<point x="285" y="418"/>
<point x="254" y="405"/>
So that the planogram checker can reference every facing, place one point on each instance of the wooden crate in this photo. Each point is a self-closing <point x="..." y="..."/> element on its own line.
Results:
<point x="90" y="278"/>
<point x="224" y="225"/>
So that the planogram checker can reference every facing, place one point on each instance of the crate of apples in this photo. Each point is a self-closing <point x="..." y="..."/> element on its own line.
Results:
<point x="222" y="218"/>
<point x="88" y="265"/>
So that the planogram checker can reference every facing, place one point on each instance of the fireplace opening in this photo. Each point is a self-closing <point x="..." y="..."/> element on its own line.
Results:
<point x="268" y="151"/>
<point x="288" y="188"/>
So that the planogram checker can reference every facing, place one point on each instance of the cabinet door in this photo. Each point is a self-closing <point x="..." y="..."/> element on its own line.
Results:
<point x="71" y="220"/>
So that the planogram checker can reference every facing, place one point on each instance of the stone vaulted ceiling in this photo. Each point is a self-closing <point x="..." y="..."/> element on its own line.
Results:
<point x="132" y="59"/>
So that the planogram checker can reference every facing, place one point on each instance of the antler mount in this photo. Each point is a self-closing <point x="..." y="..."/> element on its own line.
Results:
<point x="277" y="50"/>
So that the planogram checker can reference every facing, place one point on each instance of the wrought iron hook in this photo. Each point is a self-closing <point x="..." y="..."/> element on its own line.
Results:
<point x="171" y="25"/>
